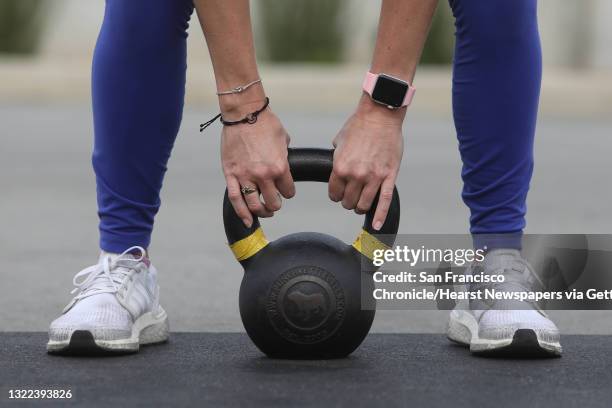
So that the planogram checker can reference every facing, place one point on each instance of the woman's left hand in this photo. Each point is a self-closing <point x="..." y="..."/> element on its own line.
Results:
<point x="367" y="159"/>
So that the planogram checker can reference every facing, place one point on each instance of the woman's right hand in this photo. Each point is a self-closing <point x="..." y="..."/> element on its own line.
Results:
<point x="255" y="156"/>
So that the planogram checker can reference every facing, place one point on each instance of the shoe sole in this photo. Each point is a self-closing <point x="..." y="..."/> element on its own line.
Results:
<point x="147" y="329"/>
<point x="463" y="329"/>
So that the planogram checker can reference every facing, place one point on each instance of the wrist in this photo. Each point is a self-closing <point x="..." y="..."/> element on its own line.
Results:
<point x="239" y="104"/>
<point x="368" y="109"/>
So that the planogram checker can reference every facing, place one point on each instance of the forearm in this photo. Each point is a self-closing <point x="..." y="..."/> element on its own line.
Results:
<point x="254" y="154"/>
<point x="227" y="27"/>
<point x="402" y="31"/>
<point x="369" y="147"/>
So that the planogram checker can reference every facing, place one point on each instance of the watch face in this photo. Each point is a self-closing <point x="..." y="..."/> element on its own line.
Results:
<point x="389" y="91"/>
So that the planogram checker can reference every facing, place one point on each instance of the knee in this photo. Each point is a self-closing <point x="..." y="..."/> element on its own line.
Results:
<point x="497" y="23"/>
<point x="144" y="23"/>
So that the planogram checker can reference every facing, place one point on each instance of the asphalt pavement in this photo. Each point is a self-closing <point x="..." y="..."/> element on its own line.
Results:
<point x="391" y="370"/>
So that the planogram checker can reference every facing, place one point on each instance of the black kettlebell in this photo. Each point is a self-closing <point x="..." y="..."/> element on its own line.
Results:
<point x="301" y="295"/>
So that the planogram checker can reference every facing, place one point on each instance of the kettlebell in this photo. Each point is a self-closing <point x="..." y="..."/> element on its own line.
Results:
<point x="307" y="295"/>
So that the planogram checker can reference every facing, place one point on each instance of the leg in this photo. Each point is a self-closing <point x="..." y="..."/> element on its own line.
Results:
<point x="138" y="88"/>
<point x="496" y="88"/>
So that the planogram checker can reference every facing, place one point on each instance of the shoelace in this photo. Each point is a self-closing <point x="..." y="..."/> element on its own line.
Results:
<point x="514" y="276"/>
<point x="108" y="275"/>
<point x="515" y="279"/>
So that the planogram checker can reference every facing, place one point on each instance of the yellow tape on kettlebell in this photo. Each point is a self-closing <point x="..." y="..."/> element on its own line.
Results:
<point x="367" y="243"/>
<point x="249" y="246"/>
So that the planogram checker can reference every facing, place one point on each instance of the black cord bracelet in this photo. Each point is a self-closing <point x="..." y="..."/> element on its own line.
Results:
<point x="249" y="119"/>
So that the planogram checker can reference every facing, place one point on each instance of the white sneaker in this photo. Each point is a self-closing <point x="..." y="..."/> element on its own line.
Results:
<point x="505" y="327"/>
<point x="116" y="309"/>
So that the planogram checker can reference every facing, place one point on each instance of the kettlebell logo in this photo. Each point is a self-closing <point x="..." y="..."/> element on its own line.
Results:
<point x="309" y="306"/>
<point x="306" y="304"/>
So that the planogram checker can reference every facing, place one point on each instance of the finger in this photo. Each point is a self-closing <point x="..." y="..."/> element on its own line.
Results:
<point x="235" y="196"/>
<point x="351" y="194"/>
<point x="254" y="202"/>
<point x="336" y="187"/>
<point x="384" y="202"/>
<point x="271" y="198"/>
<point x="285" y="185"/>
<point x="367" y="197"/>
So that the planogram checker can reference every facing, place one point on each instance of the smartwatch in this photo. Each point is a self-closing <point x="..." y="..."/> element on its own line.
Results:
<point x="387" y="90"/>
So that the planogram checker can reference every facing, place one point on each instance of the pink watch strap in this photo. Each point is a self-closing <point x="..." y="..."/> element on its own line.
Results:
<point x="369" y="82"/>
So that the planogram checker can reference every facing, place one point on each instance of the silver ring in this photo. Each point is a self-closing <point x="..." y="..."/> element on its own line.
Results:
<point x="245" y="190"/>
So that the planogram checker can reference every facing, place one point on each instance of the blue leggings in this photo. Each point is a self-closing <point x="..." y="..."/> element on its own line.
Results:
<point x="139" y="86"/>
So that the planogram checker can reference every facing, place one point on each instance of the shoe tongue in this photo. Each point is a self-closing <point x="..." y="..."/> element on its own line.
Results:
<point x="114" y="256"/>
<point x="500" y="259"/>
<point x="121" y="262"/>
<point x="505" y="261"/>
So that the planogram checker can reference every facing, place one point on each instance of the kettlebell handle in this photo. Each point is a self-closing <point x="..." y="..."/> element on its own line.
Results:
<point x="309" y="164"/>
